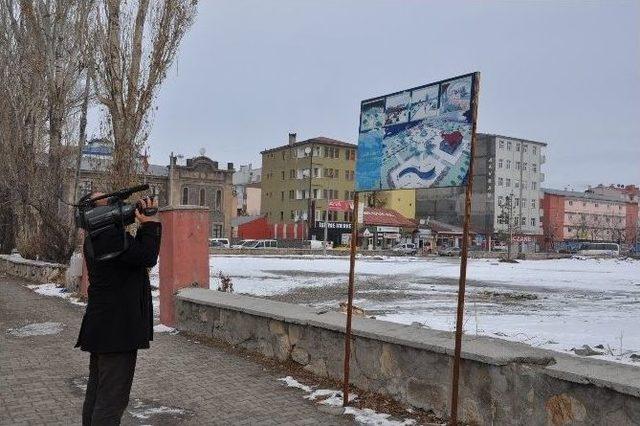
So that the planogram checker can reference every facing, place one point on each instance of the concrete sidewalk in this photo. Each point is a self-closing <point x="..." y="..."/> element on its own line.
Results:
<point x="177" y="381"/>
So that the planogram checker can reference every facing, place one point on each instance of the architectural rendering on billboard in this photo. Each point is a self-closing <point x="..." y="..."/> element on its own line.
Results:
<point x="418" y="138"/>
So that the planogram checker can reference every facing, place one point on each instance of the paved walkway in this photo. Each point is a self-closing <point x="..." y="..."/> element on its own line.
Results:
<point x="177" y="381"/>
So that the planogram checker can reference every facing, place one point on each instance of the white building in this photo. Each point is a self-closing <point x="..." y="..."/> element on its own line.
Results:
<point x="503" y="166"/>
<point x="246" y="183"/>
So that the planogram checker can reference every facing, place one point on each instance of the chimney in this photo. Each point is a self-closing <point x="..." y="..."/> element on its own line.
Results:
<point x="229" y="166"/>
<point x="292" y="138"/>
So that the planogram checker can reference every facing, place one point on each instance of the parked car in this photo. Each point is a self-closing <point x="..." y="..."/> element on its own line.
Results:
<point x="243" y="244"/>
<point x="449" y="251"/>
<point x="262" y="244"/>
<point x="219" y="242"/>
<point x="406" y="248"/>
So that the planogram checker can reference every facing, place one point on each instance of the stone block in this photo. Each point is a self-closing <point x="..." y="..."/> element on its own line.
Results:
<point x="317" y="367"/>
<point x="299" y="355"/>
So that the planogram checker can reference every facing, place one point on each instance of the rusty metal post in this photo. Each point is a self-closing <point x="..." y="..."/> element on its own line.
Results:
<point x="352" y="264"/>
<point x="453" y="420"/>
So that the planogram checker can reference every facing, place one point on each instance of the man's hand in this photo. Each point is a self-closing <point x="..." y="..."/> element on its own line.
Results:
<point x="144" y="203"/>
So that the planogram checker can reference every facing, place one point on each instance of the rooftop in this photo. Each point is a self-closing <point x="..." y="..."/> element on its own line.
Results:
<point x="493" y="135"/>
<point x="100" y="164"/>
<point x="320" y="140"/>
<point x="615" y="198"/>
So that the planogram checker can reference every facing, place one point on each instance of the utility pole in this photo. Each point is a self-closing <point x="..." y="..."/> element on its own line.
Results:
<point x="506" y="218"/>
<point x="309" y="151"/>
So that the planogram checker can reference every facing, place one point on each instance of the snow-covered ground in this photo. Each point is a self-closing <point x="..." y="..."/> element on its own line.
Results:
<point x="557" y="304"/>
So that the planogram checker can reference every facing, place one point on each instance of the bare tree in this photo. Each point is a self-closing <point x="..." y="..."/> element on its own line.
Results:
<point x="550" y="232"/>
<point x="41" y="45"/>
<point x="137" y="42"/>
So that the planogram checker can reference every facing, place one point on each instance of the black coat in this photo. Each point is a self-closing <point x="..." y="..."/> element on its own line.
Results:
<point x="119" y="315"/>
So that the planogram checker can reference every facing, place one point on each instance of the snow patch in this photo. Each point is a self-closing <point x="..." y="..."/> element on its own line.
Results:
<point x="161" y="328"/>
<point x="142" y="410"/>
<point x="53" y="290"/>
<point x="293" y="383"/>
<point x="333" y="398"/>
<point x="367" y="416"/>
<point x="36" y="329"/>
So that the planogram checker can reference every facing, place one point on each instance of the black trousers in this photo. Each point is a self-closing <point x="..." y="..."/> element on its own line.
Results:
<point x="107" y="395"/>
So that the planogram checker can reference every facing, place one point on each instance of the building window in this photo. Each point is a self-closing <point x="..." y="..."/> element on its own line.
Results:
<point x="315" y="193"/>
<point x="185" y="196"/>
<point x="292" y="194"/>
<point x="282" y="196"/>
<point x="570" y="203"/>
<point x="508" y="164"/>
<point x="534" y="185"/>
<point x="518" y="146"/>
<point x="216" y="231"/>
<point x="283" y="174"/>
<point x="281" y="216"/>
<point x="508" y="145"/>
<point x="524" y="147"/>
<point x="517" y="165"/>
<point x="203" y="198"/>
<point x="533" y="221"/>
<point x="534" y="167"/>
<point x="508" y="183"/>
<point x="500" y="200"/>
<point x="517" y="184"/>
<point x="218" y="199"/>
<point x="523" y="220"/>
<point x="533" y="203"/>
<point x="501" y="144"/>
<point x="534" y="149"/>
<point x="596" y="205"/>
<point x="500" y="181"/>
<point x="524" y="166"/>
<point x="500" y="163"/>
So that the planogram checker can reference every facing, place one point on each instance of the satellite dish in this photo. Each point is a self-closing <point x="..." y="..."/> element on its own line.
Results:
<point x="202" y="151"/>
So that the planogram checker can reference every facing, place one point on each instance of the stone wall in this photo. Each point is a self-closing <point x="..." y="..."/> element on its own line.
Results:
<point x="501" y="382"/>
<point x="33" y="270"/>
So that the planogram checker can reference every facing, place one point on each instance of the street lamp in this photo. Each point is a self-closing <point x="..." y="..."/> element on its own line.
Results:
<point x="309" y="152"/>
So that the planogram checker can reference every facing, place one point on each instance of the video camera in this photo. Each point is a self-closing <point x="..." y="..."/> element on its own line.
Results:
<point x="109" y="221"/>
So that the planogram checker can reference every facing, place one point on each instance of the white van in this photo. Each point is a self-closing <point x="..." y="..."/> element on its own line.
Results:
<point x="599" y="249"/>
<point x="263" y="244"/>
<point x="219" y="242"/>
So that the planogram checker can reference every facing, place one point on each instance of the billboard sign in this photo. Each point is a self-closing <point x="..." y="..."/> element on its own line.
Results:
<point x="417" y="138"/>
<point x="340" y="205"/>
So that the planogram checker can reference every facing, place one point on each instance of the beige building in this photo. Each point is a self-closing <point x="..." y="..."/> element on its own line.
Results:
<point x="298" y="178"/>
<point x="401" y="200"/>
<point x="200" y="181"/>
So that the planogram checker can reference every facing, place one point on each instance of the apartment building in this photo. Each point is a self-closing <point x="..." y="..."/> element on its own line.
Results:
<point x="247" y="187"/>
<point x="594" y="215"/>
<point x="298" y="178"/>
<point x="503" y="167"/>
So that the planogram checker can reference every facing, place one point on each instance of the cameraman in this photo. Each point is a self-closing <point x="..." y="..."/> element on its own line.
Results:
<point x="119" y="316"/>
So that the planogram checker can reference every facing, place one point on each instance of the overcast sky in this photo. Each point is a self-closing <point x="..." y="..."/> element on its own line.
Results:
<point x="565" y="73"/>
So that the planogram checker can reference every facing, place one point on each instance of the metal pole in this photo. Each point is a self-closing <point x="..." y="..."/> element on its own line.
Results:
<point x="326" y="229"/>
<point x="309" y="203"/>
<point x="463" y="260"/>
<point x="352" y="264"/>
